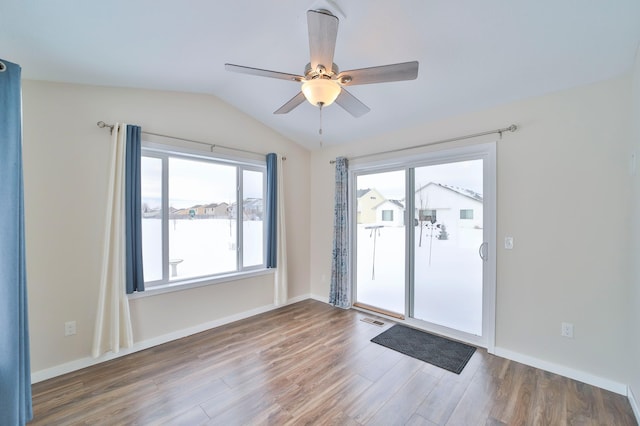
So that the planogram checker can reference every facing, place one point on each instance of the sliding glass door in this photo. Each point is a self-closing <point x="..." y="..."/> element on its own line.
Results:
<point x="424" y="239"/>
<point x="447" y="284"/>
<point x="380" y="241"/>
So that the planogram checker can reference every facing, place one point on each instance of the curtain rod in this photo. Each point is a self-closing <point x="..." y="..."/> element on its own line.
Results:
<point x="102" y="125"/>
<point x="511" y="128"/>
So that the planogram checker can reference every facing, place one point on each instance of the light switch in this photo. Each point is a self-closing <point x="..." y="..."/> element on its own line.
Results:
<point x="508" y="243"/>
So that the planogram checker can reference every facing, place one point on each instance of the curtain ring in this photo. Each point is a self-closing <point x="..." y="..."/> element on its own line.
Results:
<point x="3" y="67"/>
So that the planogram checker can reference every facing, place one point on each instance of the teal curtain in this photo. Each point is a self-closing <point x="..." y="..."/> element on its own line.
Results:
<point x="15" y="368"/>
<point x="133" y="210"/>
<point x="272" y="210"/>
<point x="340" y="291"/>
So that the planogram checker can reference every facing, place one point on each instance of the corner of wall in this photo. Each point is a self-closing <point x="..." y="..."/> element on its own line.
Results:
<point x="634" y="286"/>
<point x="634" y="404"/>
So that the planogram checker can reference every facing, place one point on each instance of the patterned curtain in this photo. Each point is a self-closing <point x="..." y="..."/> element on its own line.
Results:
<point x="340" y="292"/>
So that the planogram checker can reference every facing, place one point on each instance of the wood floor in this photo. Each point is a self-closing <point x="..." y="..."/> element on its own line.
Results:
<point x="309" y="363"/>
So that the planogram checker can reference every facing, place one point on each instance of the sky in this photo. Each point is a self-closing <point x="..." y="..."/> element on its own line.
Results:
<point x="193" y="182"/>
<point x="463" y="174"/>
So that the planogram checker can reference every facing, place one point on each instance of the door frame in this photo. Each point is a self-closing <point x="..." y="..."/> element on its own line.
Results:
<point x="484" y="151"/>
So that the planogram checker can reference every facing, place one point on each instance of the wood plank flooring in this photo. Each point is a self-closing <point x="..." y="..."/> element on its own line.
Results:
<point x="310" y="363"/>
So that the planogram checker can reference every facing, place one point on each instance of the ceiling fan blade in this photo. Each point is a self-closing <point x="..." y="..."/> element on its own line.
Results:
<point x="323" y="32"/>
<point x="262" y="73"/>
<point x="381" y="74"/>
<point x="291" y="104"/>
<point x="351" y="104"/>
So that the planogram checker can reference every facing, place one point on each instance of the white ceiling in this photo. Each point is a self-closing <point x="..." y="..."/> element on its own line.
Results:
<point x="473" y="54"/>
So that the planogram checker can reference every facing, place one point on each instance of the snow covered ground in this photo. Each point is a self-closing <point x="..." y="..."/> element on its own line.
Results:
<point x="448" y="289"/>
<point x="204" y="246"/>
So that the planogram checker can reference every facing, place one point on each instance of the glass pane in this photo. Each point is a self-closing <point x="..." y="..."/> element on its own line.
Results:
<point x="202" y="225"/>
<point x="151" y="179"/>
<point x="252" y="218"/>
<point x="380" y="240"/>
<point x="448" y="235"/>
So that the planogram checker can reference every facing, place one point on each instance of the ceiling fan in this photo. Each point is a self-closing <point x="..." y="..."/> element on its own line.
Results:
<point x="322" y="82"/>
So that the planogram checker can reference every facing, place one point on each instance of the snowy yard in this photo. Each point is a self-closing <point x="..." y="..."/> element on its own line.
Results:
<point x="203" y="246"/>
<point x="448" y="290"/>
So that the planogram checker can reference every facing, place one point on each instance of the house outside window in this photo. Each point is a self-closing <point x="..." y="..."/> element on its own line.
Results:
<point x="202" y="217"/>
<point x="466" y="213"/>
<point x="427" y="215"/>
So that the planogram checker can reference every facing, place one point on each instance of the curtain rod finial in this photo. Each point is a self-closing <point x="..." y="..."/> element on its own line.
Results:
<point x="102" y="125"/>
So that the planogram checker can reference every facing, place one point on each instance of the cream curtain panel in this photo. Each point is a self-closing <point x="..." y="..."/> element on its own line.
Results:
<point x="113" y="321"/>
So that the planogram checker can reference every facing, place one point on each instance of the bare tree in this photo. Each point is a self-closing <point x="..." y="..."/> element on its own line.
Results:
<point x="423" y="201"/>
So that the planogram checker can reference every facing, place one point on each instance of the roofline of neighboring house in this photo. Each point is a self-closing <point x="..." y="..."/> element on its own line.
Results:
<point x="452" y="189"/>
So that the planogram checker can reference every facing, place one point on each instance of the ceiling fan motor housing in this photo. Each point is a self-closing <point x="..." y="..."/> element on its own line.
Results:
<point x="320" y="71"/>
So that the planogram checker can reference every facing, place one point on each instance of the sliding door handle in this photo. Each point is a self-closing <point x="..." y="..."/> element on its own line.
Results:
<point x="482" y="251"/>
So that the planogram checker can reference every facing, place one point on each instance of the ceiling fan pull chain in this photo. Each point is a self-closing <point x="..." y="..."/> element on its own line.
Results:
<point x="320" y="129"/>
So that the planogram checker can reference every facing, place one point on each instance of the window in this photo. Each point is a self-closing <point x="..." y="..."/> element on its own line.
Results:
<point x="387" y="215"/>
<point x="202" y="217"/>
<point x="466" y="213"/>
<point x="428" y="215"/>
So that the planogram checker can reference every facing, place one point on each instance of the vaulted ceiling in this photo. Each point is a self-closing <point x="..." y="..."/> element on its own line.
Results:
<point x="473" y="54"/>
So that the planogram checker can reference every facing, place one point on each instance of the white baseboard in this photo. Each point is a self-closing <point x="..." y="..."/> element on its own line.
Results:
<point x="581" y="376"/>
<point x="297" y="299"/>
<point x="634" y="404"/>
<point x="58" y="370"/>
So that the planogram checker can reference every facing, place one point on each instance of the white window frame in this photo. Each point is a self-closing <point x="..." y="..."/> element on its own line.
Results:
<point x="164" y="152"/>
<point x="486" y="151"/>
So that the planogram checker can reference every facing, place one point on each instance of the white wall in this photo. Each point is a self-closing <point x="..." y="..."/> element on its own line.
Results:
<point x="634" y="296"/>
<point x="564" y="195"/>
<point x="65" y="172"/>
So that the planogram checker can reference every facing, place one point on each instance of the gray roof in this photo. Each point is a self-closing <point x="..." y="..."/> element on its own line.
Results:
<point x="361" y="192"/>
<point x="397" y="203"/>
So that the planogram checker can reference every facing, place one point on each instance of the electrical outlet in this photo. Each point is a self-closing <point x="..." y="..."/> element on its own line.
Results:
<point x="567" y="330"/>
<point x="69" y="328"/>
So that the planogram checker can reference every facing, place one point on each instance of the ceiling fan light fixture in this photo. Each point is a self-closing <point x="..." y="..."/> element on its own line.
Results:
<point x="321" y="91"/>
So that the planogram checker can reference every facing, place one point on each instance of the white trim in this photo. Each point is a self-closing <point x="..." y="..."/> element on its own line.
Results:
<point x="58" y="370"/>
<point x="579" y="375"/>
<point x="490" y="274"/>
<point x="634" y="403"/>
<point x="199" y="282"/>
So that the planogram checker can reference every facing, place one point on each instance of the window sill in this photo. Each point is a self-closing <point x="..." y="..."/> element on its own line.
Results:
<point x="201" y="282"/>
